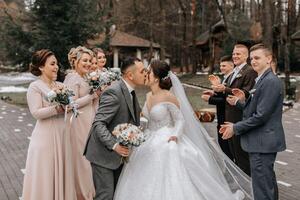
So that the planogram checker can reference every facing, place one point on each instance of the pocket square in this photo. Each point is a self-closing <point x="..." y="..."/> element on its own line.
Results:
<point x="238" y="76"/>
<point x="252" y="91"/>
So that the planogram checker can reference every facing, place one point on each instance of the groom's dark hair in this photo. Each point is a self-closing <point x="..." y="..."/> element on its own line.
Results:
<point x="128" y="62"/>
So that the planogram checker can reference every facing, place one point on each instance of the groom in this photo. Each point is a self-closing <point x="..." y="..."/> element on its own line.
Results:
<point x="118" y="104"/>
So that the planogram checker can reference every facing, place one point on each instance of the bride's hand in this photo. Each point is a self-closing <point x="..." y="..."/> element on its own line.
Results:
<point x="173" y="138"/>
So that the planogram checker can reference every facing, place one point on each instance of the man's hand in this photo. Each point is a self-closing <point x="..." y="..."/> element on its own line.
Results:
<point x="205" y="97"/>
<point x="121" y="150"/>
<point x="239" y="94"/>
<point x="232" y="100"/>
<point x="214" y="80"/>
<point x="226" y="130"/>
<point x="218" y="88"/>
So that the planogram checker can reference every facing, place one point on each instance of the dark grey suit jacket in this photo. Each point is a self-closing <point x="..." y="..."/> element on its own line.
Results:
<point x="261" y="129"/>
<point x="115" y="107"/>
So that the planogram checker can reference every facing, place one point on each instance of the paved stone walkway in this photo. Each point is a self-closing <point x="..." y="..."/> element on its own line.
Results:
<point x="16" y="125"/>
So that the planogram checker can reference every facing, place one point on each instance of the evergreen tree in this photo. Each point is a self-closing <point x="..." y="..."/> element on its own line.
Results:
<point x="57" y="25"/>
<point x="60" y="25"/>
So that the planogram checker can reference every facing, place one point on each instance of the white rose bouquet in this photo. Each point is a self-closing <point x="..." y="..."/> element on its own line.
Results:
<point x="100" y="79"/>
<point x="128" y="135"/>
<point x="61" y="95"/>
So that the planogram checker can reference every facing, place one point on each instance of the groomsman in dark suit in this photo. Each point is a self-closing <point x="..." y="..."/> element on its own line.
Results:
<point x="242" y="77"/>
<point x="219" y="99"/>
<point x="261" y="130"/>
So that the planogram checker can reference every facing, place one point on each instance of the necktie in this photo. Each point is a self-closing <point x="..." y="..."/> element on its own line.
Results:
<point x="134" y="103"/>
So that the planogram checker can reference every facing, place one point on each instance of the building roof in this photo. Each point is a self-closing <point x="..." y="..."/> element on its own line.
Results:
<point x="204" y="37"/>
<point x="122" y="39"/>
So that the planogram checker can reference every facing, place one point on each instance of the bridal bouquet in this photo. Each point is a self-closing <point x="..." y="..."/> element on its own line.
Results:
<point x="128" y="135"/>
<point x="99" y="79"/>
<point x="61" y="95"/>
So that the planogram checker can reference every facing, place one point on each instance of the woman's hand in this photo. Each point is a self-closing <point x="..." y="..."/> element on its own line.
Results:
<point x="59" y="109"/>
<point x="98" y="92"/>
<point x="173" y="138"/>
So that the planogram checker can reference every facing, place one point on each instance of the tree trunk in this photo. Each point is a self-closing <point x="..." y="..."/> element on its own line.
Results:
<point x="184" y="36"/>
<point x="194" y="31"/>
<point x="267" y="23"/>
<point x="163" y="35"/>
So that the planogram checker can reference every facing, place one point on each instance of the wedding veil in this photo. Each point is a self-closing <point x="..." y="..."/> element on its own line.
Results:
<point x="225" y="171"/>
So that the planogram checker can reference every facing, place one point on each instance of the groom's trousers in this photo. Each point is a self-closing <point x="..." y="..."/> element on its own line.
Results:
<point x="263" y="176"/>
<point x="105" y="181"/>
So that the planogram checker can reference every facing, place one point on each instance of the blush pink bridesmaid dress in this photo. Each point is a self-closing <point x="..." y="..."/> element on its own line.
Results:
<point x="79" y="130"/>
<point x="48" y="171"/>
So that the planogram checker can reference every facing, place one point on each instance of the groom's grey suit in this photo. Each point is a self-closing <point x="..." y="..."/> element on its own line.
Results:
<point x="115" y="107"/>
<point x="262" y="134"/>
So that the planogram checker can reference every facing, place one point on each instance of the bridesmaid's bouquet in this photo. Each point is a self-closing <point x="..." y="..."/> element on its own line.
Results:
<point x="100" y="79"/>
<point x="128" y="135"/>
<point x="61" y="95"/>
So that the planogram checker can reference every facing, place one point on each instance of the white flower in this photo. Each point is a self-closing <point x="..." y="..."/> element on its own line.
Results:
<point x="92" y="74"/>
<point x="51" y="95"/>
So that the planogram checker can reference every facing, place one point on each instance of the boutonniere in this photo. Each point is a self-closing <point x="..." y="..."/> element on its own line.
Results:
<point x="238" y="76"/>
<point x="251" y="92"/>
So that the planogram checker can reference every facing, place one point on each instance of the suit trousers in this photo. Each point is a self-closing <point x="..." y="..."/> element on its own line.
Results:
<point x="105" y="181"/>
<point x="241" y="158"/>
<point x="224" y="144"/>
<point x="263" y="176"/>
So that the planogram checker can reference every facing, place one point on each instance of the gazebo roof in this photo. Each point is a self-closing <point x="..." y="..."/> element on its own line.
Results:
<point x="122" y="39"/>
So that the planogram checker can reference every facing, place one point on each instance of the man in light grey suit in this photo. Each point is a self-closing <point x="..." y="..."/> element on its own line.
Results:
<point x="118" y="104"/>
<point x="261" y="129"/>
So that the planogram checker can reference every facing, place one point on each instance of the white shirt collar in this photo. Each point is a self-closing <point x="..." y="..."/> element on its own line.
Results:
<point x="240" y="66"/>
<point x="227" y="75"/>
<point x="130" y="89"/>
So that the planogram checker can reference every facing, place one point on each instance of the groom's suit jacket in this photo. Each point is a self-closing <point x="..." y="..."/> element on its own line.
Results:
<point x="115" y="107"/>
<point x="261" y="130"/>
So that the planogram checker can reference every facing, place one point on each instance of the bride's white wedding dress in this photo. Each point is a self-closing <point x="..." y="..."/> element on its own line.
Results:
<point x="162" y="170"/>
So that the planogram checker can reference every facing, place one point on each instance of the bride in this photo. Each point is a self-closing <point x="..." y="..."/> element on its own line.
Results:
<point x="179" y="160"/>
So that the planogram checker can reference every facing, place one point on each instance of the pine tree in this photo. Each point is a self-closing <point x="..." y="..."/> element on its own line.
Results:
<point x="57" y="25"/>
<point x="60" y="25"/>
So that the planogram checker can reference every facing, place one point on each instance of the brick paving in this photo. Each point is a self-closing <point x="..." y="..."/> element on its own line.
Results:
<point x="16" y="125"/>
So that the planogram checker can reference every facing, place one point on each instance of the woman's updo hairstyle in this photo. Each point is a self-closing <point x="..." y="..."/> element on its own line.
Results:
<point x="38" y="60"/>
<point x="161" y="71"/>
<point x="75" y="54"/>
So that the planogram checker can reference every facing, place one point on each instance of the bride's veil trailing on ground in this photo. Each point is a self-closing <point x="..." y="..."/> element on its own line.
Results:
<point x="223" y="170"/>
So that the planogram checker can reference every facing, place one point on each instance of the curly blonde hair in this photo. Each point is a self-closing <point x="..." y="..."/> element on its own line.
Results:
<point x="75" y="54"/>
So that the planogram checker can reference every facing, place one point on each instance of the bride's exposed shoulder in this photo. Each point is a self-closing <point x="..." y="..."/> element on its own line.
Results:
<point x="170" y="97"/>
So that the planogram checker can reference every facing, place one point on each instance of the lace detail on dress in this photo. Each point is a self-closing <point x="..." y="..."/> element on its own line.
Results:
<point x="164" y="114"/>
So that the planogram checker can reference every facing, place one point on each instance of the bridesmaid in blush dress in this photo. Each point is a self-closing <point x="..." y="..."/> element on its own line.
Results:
<point x="98" y="64"/>
<point x="48" y="172"/>
<point x="80" y="60"/>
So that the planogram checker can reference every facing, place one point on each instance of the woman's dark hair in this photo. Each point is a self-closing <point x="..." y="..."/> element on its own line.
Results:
<point x="161" y="71"/>
<point x="38" y="60"/>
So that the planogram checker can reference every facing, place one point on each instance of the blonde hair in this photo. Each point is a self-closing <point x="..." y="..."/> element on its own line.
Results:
<point x="75" y="54"/>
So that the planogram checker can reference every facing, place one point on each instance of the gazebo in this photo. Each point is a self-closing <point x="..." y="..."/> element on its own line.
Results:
<point x="123" y="44"/>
